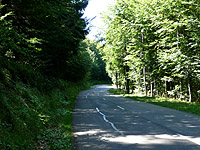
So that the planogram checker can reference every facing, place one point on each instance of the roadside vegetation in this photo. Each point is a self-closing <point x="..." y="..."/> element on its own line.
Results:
<point x="37" y="119"/>
<point x="45" y="61"/>
<point x="152" y="47"/>
<point x="191" y="107"/>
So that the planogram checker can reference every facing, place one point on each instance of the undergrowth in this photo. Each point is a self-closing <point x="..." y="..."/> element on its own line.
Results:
<point x="35" y="111"/>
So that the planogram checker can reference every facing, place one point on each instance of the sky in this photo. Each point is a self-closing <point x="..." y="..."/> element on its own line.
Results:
<point x="94" y="9"/>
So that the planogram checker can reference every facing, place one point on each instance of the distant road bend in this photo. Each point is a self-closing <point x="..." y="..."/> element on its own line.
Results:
<point x="103" y="121"/>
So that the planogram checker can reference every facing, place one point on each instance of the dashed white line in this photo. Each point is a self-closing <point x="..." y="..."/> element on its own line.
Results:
<point x="121" y="107"/>
<point x="104" y="99"/>
<point x="113" y="126"/>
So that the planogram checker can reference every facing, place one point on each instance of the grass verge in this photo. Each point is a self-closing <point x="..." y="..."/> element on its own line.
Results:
<point x="165" y="102"/>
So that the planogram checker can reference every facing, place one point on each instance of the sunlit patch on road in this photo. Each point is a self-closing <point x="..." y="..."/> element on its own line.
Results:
<point x="195" y="140"/>
<point x="148" y="139"/>
<point x="90" y="132"/>
<point x="115" y="96"/>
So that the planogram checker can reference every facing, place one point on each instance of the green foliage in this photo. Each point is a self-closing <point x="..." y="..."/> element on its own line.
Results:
<point x="15" y="46"/>
<point x="154" y="45"/>
<point x="94" y="61"/>
<point x="54" y="139"/>
<point x="44" y="34"/>
<point x="39" y="48"/>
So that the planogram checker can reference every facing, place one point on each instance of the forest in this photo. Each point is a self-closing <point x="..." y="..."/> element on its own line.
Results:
<point x="149" y="47"/>
<point x="152" y="47"/>
<point x="45" y="61"/>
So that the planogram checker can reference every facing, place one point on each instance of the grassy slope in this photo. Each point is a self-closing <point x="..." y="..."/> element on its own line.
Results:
<point x="34" y="119"/>
<point x="165" y="102"/>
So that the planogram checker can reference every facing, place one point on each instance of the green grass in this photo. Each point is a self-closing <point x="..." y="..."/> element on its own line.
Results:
<point x="114" y="91"/>
<point x="165" y="102"/>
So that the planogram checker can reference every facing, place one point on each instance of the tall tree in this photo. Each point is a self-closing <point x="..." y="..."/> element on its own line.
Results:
<point x="58" y="25"/>
<point x="161" y="40"/>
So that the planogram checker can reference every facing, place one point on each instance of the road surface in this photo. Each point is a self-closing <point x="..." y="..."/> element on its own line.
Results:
<point x="103" y="121"/>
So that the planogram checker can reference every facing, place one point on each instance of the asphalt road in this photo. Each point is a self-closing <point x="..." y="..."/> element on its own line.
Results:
<point x="103" y="121"/>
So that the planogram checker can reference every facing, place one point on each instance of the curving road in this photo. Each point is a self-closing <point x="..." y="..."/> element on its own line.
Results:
<point x="103" y="121"/>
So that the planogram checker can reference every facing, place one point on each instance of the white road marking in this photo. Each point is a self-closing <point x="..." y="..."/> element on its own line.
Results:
<point x="104" y="99"/>
<point x="191" y="139"/>
<point x="121" y="107"/>
<point x="86" y="96"/>
<point x="113" y="126"/>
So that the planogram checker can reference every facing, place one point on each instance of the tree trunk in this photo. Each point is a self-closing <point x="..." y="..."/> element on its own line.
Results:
<point x="140" y="84"/>
<point x="156" y="88"/>
<point x="165" y="88"/>
<point x="180" y="89"/>
<point x="127" y="86"/>
<point x="145" y="87"/>
<point x="189" y="91"/>
<point x="119" y="82"/>
<point x="127" y="79"/>
<point x="116" y="76"/>
<point x="151" y="89"/>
